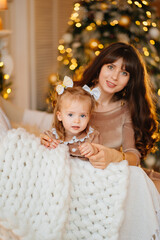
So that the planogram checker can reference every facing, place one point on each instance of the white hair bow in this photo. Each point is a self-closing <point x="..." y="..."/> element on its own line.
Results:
<point x="67" y="82"/>
<point x="95" y="92"/>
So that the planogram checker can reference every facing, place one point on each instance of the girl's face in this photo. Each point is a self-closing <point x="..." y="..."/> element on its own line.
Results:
<point x="113" y="77"/>
<point x="74" y="115"/>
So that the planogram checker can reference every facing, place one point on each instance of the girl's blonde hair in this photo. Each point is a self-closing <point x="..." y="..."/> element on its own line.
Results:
<point x="74" y="93"/>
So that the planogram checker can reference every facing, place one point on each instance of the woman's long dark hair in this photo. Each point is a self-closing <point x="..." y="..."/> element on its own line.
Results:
<point x="138" y="91"/>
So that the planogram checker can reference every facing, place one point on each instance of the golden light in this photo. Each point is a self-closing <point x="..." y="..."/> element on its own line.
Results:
<point x="59" y="58"/>
<point x="1" y="64"/>
<point x="9" y="90"/>
<point x="73" y="66"/>
<point x="137" y="23"/>
<point x="74" y="61"/>
<point x="62" y="51"/>
<point x="74" y="16"/>
<point x="68" y="50"/>
<point x="124" y="21"/>
<point x="89" y="28"/>
<point x="60" y="47"/>
<point x="154" y="24"/>
<point x="98" y="22"/>
<point x="159" y="92"/>
<point x="152" y="42"/>
<point x="104" y="6"/>
<point x="5" y="95"/>
<point x="145" y="29"/>
<point x="129" y="2"/>
<point x="145" y="23"/>
<point x="145" y="2"/>
<point x="78" y="25"/>
<point x="6" y="76"/>
<point x="70" y="23"/>
<point x="104" y="22"/>
<point x="114" y="3"/>
<point x="145" y="50"/>
<point x="66" y="62"/>
<point x="113" y="23"/>
<point x="76" y="6"/>
<point x="148" y="13"/>
<point x="157" y="59"/>
<point x="97" y="53"/>
<point x="100" y="46"/>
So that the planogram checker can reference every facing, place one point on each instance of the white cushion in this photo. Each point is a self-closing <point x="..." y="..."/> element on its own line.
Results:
<point x="40" y="119"/>
<point x="4" y="121"/>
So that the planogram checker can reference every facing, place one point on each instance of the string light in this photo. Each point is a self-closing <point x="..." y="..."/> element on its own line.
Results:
<point x="129" y="2"/>
<point x="158" y="92"/>
<point x="145" y="29"/>
<point x="137" y="23"/>
<point x="6" y="76"/>
<point x="148" y="13"/>
<point x="145" y="2"/>
<point x="66" y="62"/>
<point x="76" y="6"/>
<point x="152" y="42"/>
<point x="78" y="25"/>
<point x="97" y="53"/>
<point x="60" y="47"/>
<point x="9" y="90"/>
<point x="59" y="58"/>
<point x="1" y="64"/>
<point x="154" y="24"/>
<point x="145" y="50"/>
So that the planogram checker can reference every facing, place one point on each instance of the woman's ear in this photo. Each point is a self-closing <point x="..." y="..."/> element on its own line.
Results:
<point x="59" y="115"/>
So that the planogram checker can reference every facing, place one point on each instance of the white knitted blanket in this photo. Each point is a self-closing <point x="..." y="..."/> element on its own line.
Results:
<point x="47" y="195"/>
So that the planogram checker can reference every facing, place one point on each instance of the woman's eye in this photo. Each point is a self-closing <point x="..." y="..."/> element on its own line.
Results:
<point x="110" y="66"/>
<point x="82" y="116"/>
<point x="70" y="114"/>
<point x="124" y="73"/>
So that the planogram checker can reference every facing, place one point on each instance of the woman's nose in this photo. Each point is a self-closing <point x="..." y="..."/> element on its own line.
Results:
<point x="115" y="74"/>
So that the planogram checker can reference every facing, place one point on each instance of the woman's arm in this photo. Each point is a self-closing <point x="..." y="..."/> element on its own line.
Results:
<point x="107" y="155"/>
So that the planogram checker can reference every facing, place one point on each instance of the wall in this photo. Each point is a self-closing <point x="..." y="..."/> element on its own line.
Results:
<point x="36" y="26"/>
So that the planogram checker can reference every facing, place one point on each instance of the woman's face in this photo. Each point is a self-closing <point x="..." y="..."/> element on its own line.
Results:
<point x="113" y="77"/>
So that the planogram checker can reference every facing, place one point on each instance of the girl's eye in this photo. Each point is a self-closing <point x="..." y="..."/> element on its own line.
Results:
<point x="83" y="116"/>
<point x="70" y="114"/>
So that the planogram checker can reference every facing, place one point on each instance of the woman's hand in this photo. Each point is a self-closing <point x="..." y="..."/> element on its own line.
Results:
<point x="48" y="140"/>
<point x="105" y="156"/>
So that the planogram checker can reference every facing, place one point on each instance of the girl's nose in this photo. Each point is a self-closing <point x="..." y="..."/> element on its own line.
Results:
<point x="76" y="120"/>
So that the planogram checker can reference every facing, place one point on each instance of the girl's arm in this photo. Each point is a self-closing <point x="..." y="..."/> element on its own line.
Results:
<point x="48" y="140"/>
<point x="88" y="149"/>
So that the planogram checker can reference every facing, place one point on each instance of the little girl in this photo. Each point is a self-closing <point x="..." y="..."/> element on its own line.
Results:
<point x="71" y="119"/>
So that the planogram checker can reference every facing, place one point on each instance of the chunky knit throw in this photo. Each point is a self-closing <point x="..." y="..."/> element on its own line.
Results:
<point x="47" y="195"/>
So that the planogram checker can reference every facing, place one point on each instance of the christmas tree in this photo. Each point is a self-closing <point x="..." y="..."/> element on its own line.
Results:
<point x="94" y="24"/>
<point x="5" y="82"/>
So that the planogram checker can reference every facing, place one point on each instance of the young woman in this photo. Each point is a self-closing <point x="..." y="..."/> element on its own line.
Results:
<point x="125" y="114"/>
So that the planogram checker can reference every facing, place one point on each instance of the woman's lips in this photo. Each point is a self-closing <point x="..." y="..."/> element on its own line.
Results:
<point x="110" y="84"/>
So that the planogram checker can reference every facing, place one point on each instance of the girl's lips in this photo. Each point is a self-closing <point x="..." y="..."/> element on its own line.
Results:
<point x="110" y="84"/>
<point x="75" y="127"/>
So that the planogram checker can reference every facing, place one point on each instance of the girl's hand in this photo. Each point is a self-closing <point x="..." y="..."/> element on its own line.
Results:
<point x="104" y="156"/>
<point x="48" y="140"/>
<point x="87" y="149"/>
